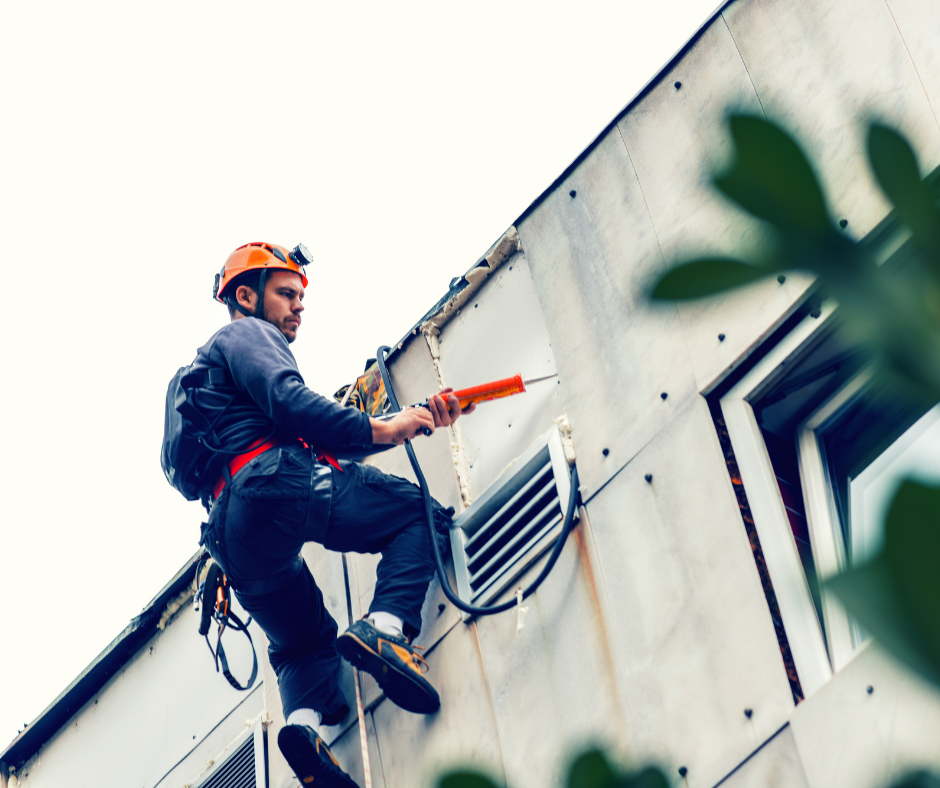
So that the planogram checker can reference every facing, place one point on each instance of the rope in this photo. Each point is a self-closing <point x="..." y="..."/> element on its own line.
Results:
<point x="363" y="741"/>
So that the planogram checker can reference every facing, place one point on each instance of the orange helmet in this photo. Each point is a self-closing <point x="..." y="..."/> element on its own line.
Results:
<point x="263" y="256"/>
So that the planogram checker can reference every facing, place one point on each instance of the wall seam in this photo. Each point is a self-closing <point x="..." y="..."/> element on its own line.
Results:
<point x="662" y="254"/>
<point x="744" y="63"/>
<point x="913" y="64"/>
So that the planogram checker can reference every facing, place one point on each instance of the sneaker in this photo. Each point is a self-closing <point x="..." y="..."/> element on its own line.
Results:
<point x="310" y="758"/>
<point x="392" y="663"/>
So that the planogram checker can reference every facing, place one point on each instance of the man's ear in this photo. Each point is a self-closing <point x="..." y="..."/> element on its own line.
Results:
<point x="246" y="296"/>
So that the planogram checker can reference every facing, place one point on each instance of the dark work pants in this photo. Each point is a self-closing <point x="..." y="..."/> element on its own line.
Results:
<point x="256" y="530"/>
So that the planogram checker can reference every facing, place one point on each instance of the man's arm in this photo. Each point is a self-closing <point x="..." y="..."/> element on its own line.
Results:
<point x="411" y="422"/>
<point x="264" y="368"/>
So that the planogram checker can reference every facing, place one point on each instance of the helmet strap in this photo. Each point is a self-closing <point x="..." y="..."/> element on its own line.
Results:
<point x="259" y="310"/>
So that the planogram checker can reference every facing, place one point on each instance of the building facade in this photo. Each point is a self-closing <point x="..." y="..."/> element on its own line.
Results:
<point x="683" y="624"/>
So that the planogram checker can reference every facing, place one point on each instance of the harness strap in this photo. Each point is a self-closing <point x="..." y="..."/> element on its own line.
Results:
<point x="237" y="625"/>
<point x="240" y="461"/>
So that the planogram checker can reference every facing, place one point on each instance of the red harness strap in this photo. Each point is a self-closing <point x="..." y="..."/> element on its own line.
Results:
<point x="240" y="461"/>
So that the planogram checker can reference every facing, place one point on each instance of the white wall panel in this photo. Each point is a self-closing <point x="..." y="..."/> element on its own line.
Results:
<point x="775" y="765"/>
<point x="416" y="748"/>
<point x="499" y="333"/>
<point x="676" y="139"/>
<point x="557" y="685"/>
<point x="823" y="69"/>
<point x="591" y="257"/>
<point x="919" y="24"/>
<point x="848" y="738"/>
<point x="348" y="751"/>
<point x="695" y="635"/>
<point x="168" y="696"/>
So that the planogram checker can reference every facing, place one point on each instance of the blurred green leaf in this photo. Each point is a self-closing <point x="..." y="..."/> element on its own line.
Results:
<point x="922" y="779"/>
<point x="592" y="770"/>
<point x="650" y="777"/>
<point x="705" y="277"/>
<point x="772" y="179"/>
<point x="896" y="596"/>
<point x="463" y="779"/>
<point x="895" y="166"/>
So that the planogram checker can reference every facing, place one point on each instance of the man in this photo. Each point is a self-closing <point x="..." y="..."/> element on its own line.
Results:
<point x="273" y="482"/>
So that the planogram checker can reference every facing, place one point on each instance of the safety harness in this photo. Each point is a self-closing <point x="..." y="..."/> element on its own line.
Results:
<point x="214" y="602"/>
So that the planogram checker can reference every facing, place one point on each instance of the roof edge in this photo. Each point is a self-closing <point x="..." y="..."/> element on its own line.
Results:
<point x="643" y="92"/>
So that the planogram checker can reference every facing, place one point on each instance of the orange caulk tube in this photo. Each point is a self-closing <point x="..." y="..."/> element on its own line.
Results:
<point x="487" y="391"/>
<point x="495" y="390"/>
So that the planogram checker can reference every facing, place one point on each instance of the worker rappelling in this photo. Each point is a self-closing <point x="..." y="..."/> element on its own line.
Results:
<point x="266" y="454"/>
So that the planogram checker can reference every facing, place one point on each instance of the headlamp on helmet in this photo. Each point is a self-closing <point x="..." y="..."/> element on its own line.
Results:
<point x="260" y="256"/>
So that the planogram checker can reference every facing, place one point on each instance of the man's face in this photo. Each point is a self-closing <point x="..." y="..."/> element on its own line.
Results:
<point x="283" y="297"/>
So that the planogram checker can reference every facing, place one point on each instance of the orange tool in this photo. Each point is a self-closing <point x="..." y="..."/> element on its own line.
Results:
<point x="487" y="391"/>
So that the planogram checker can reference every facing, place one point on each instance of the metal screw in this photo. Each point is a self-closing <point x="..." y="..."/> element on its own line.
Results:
<point x="649" y="478"/>
<point x="664" y="395"/>
<point x="843" y="223"/>
<point x="781" y="278"/>
<point x="870" y="689"/>
<point x="683" y="771"/>
<point x="605" y="452"/>
<point x="721" y="337"/>
<point x="678" y="85"/>
<point x="749" y="713"/>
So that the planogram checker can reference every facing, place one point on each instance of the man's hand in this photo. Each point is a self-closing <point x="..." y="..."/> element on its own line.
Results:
<point x="412" y="422"/>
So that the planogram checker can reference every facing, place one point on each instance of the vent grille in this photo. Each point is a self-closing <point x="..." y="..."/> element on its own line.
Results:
<point x="239" y="770"/>
<point x="513" y="523"/>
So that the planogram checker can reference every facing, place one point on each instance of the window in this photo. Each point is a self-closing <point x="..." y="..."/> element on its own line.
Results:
<point x="822" y="446"/>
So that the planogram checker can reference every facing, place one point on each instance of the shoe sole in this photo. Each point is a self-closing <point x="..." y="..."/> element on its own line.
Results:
<point x="400" y="688"/>
<point x="310" y="768"/>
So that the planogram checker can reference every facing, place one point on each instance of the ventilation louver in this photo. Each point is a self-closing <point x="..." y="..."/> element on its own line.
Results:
<point x="513" y="523"/>
<point x="243" y="768"/>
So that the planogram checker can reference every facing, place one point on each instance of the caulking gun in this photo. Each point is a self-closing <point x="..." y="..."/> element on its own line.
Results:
<point x="488" y="391"/>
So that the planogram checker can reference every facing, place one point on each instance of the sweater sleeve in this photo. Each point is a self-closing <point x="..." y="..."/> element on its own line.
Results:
<point x="262" y="366"/>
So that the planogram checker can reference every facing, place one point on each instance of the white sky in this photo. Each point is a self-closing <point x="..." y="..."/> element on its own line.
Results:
<point x="141" y="144"/>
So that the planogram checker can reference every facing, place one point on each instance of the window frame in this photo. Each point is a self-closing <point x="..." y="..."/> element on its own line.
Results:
<point x="795" y="601"/>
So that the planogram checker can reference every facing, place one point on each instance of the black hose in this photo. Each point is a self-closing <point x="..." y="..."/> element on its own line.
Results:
<point x="429" y="512"/>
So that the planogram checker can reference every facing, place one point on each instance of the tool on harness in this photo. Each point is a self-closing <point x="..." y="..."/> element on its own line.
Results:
<point x="213" y="601"/>
<point x="475" y="610"/>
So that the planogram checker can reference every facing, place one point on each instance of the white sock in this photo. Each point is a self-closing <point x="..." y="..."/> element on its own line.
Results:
<point x="307" y="717"/>
<point x="393" y="625"/>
